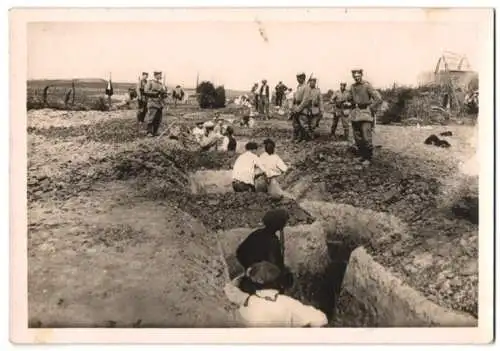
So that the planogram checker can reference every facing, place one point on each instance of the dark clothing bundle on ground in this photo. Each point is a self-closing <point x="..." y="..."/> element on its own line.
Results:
<point x="448" y="133"/>
<point x="434" y="140"/>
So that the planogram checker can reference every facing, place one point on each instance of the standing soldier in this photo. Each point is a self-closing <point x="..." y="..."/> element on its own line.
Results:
<point x="299" y="113"/>
<point x="341" y="105"/>
<point x="316" y="107"/>
<point x="155" y="92"/>
<point x="255" y="95"/>
<point x="142" y="101"/>
<point x="364" y="99"/>
<point x="264" y="99"/>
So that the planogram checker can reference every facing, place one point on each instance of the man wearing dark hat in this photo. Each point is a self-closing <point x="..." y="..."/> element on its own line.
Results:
<point x="299" y="113"/>
<point x="342" y="108"/>
<point x="264" y="245"/>
<point x="142" y="101"/>
<point x="364" y="99"/>
<point x="156" y="93"/>
<point x="265" y="306"/>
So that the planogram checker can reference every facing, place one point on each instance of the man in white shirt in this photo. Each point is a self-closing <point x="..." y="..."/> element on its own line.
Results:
<point x="267" y="307"/>
<point x="244" y="169"/>
<point x="274" y="166"/>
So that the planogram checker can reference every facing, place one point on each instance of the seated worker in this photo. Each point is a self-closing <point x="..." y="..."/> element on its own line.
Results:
<point x="274" y="166"/>
<point x="264" y="245"/>
<point x="198" y="132"/>
<point x="267" y="307"/>
<point x="229" y="142"/>
<point x="244" y="169"/>
<point x="210" y="139"/>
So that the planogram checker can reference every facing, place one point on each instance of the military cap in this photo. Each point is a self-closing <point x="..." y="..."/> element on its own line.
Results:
<point x="157" y="72"/>
<point x="145" y="73"/>
<point x="358" y="70"/>
<point x="276" y="219"/>
<point x="263" y="272"/>
<point x="301" y="74"/>
<point x="343" y="83"/>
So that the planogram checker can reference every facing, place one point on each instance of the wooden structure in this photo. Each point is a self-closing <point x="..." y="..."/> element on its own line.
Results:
<point x="454" y="75"/>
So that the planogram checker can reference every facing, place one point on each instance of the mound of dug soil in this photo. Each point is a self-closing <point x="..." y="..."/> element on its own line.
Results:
<point x="227" y="210"/>
<point x="145" y="162"/>
<point x="439" y="243"/>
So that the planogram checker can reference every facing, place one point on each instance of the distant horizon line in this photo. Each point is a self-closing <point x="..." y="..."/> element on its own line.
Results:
<point x="117" y="82"/>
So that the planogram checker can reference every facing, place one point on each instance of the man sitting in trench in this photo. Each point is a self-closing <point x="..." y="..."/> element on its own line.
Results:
<point x="266" y="306"/>
<point x="275" y="167"/>
<point x="264" y="245"/>
<point x="244" y="169"/>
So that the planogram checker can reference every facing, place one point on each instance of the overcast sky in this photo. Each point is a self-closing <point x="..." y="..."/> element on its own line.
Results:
<point x="235" y="53"/>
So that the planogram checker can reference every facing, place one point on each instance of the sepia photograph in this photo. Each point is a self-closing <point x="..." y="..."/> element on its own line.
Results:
<point x="252" y="168"/>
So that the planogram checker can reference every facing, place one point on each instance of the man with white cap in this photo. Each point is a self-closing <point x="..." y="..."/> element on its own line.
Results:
<point x="210" y="140"/>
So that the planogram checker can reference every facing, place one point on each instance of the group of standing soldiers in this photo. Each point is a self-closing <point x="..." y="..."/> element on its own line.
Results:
<point x="357" y="104"/>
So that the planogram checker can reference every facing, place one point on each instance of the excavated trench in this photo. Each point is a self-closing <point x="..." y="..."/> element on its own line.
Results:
<point x="333" y="271"/>
<point x="323" y="246"/>
<point x="318" y="260"/>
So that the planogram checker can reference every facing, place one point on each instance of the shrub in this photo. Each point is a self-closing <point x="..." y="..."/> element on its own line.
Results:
<point x="398" y="99"/>
<point x="206" y="94"/>
<point x="209" y="96"/>
<point x="220" y="97"/>
<point x="100" y="104"/>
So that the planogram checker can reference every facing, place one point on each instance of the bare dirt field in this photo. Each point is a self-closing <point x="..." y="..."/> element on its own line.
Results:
<point x="117" y="238"/>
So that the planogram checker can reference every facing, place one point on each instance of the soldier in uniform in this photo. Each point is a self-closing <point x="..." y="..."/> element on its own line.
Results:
<point x="156" y="93"/>
<point x="142" y="102"/>
<point x="264" y="99"/>
<point x="316" y="107"/>
<point x="299" y="113"/>
<point x="340" y="101"/>
<point x="364" y="99"/>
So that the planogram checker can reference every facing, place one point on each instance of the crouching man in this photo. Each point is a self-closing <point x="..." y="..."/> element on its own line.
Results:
<point x="266" y="306"/>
